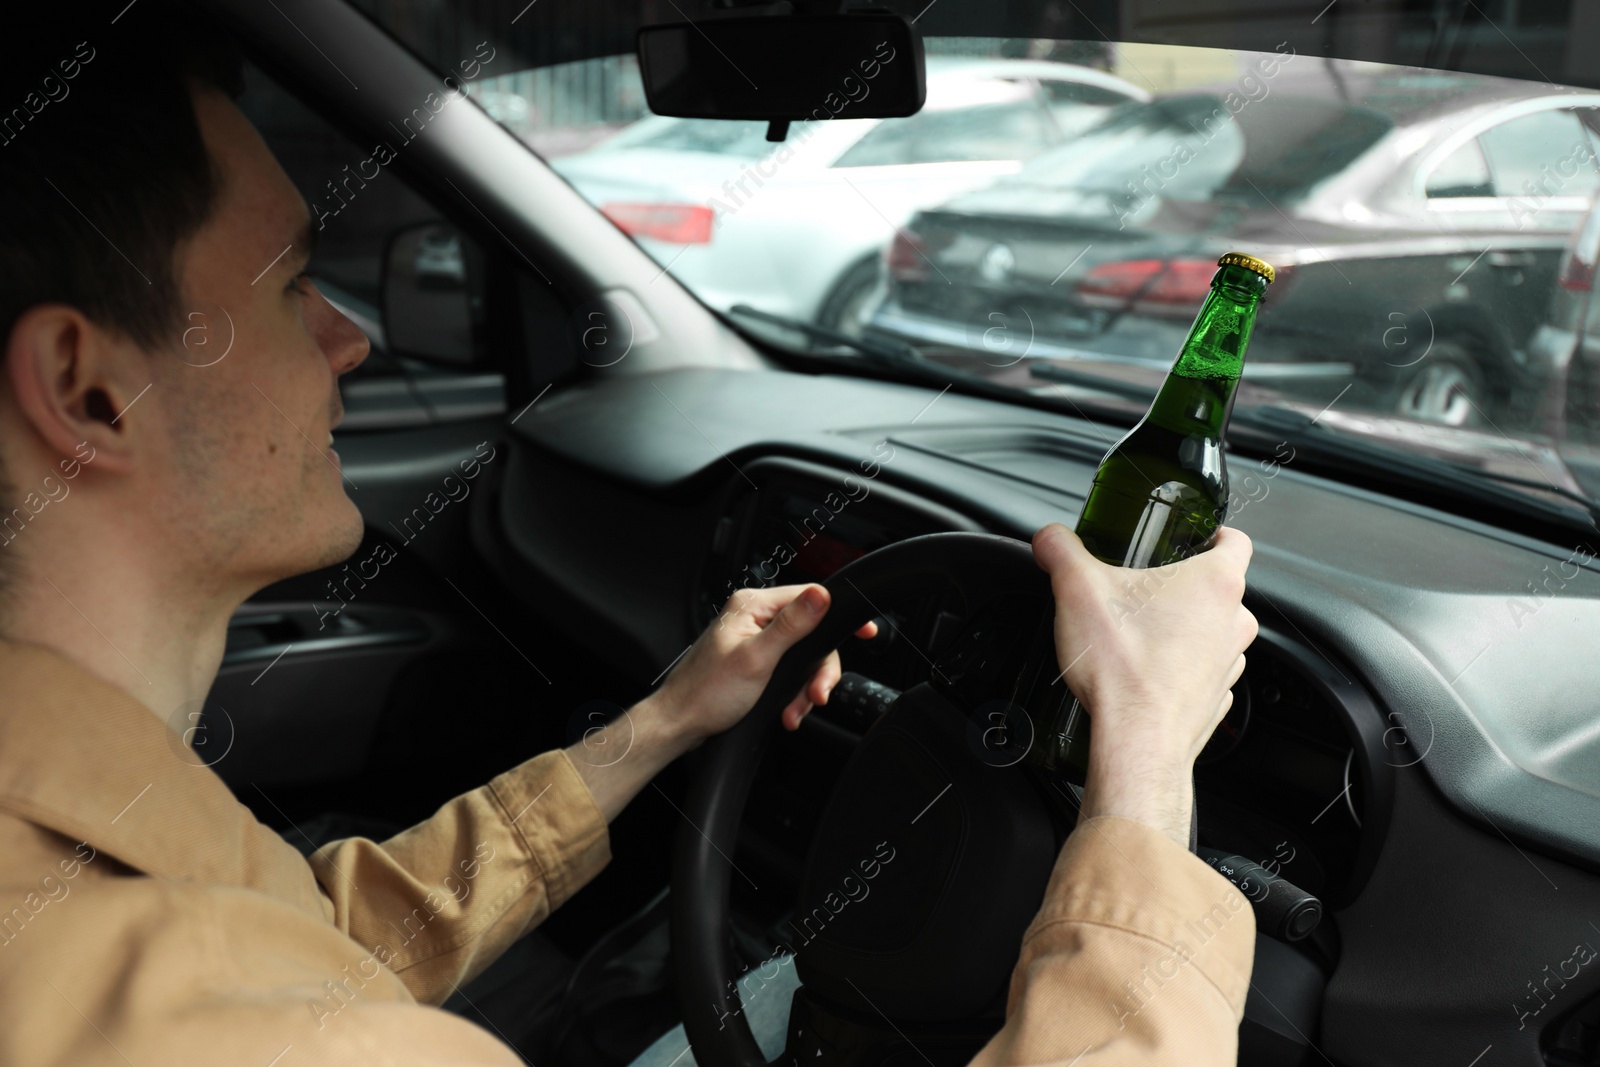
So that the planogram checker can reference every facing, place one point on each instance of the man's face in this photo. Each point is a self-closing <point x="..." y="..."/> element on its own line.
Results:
<point x="257" y="493"/>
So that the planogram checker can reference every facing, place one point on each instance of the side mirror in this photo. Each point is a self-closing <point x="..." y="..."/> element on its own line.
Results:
<point x="432" y="288"/>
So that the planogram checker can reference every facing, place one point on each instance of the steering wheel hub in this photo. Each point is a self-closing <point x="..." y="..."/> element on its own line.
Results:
<point x="926" y="869"/>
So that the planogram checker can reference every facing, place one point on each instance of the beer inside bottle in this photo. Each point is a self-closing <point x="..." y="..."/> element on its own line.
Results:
<point x="1161" y="493"/>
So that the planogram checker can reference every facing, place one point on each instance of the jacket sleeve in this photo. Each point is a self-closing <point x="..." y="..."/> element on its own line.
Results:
<point x="163" y="973"/>
<point x="1140" y="954"/>
<point x="445" y="898"/>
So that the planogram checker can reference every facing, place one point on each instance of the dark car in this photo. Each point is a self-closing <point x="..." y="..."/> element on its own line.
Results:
<point x="1417" y="219"/>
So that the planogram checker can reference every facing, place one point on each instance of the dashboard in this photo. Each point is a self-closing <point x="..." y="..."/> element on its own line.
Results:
<point x="1403" y="746"/>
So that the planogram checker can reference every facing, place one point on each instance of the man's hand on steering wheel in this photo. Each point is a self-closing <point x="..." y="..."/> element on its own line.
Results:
<point x="723" y="673"/>
<point x="714" y="685"/>
<point x="1153" y="655"/>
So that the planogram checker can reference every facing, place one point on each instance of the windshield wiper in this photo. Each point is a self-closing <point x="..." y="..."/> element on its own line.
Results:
<point x="1588" y="503"/>
<point x="881" y="350"/>
<point x="902" y="360"/>
<point x="884" y="352"/>
<point x="1339" y="449"/>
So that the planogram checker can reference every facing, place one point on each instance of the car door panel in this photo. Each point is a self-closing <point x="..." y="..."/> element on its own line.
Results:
<point x="297" y="701"/>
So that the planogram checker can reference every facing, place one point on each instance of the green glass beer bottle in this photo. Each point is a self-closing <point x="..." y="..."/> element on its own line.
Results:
<point x="1161" y="492"/>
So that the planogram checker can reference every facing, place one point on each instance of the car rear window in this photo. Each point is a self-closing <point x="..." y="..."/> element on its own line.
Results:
<point x="1292" y="147"/>
<point x="1013" y="130"/>
<point x="1192" y="148"/>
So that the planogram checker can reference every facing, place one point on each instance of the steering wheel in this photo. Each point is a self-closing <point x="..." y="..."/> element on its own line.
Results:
<point x="932" y="856"/>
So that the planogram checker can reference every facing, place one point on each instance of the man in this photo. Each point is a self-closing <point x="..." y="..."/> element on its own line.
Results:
<point x="145" y="916"/>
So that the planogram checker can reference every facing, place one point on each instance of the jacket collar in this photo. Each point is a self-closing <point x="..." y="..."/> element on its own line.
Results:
<point x="83" y="758"/>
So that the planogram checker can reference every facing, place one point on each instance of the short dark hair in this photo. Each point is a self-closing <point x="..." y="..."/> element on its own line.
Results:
<point x="103" y="171"/>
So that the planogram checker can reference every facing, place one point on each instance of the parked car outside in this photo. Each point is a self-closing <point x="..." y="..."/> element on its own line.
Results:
<point x="1570" y="339"/>
<point x="798" y="228"/>
<point x="1417" y="220"/>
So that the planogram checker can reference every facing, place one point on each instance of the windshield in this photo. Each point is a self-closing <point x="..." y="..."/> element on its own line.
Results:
<point x="1051" y="220"/>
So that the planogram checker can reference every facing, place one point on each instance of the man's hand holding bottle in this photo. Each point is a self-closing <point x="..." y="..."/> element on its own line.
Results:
<point x="1153" y="656"/>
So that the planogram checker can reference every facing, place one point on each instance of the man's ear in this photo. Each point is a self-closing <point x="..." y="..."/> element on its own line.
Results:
<point x="74" y="382"/>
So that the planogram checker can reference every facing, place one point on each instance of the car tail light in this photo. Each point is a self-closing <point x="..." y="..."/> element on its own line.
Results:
<point x="1577" y="270"/>
<point x="1114" y="284"/>
<point x="1175" y="284"/>
<point x="679" y="224"/>
<point x="907" y="258"/>
<point x="1577" y="275"/>
<point x="1185" y="282"/>
<point x="1156" y="286"/>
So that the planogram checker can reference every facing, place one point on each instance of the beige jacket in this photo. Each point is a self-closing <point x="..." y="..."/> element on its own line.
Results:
<point x="147" y="919"/>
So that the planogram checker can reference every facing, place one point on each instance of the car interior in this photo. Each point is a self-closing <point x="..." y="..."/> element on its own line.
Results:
<point x="567" y="458"/>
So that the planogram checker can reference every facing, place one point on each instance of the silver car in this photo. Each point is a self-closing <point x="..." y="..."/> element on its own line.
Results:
<point x="798" y="228"/>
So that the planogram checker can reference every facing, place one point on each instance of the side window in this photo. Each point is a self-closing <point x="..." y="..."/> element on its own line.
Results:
<point x="1463" y="172"/>
<point x="1014" y="130"/>
<point x="356" y="203"/>
<point x="1547" y="153"/>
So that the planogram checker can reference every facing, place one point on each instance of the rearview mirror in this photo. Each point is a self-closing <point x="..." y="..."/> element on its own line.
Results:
<point x="784" y="67"/>
<point x="432" y="294"/>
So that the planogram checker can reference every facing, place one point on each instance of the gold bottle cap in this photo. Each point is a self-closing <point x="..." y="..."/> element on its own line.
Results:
<point x="1248" y="262"/>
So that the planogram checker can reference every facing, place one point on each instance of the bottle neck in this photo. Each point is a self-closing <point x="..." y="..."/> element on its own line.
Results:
<point x="1198" y="392"/>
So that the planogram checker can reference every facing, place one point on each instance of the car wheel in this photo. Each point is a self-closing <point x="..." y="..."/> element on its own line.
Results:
<point x="853" y="297"/>
<point x="1447" y="387"/>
